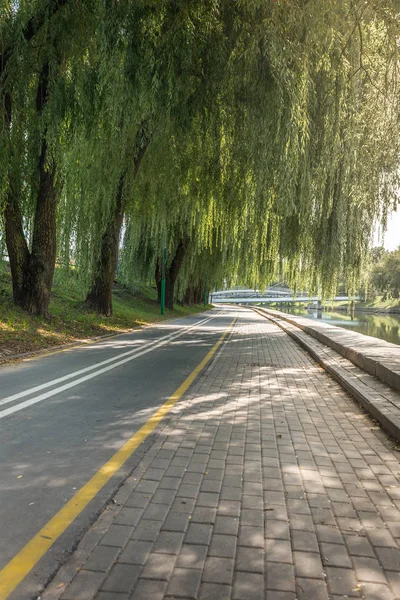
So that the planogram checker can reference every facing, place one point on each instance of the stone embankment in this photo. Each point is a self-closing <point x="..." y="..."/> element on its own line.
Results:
<point x="367" y="367"/>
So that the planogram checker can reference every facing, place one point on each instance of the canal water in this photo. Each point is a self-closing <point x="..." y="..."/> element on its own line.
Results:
<point x="385" y="327"/>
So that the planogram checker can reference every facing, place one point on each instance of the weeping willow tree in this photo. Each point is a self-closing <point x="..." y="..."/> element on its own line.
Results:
<point x="297" y="157"/>
<point x="145" y="71"/>
<point x="41" y="45"/>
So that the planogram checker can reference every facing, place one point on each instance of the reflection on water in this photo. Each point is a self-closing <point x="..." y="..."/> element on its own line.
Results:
<point x="385" y="327"/>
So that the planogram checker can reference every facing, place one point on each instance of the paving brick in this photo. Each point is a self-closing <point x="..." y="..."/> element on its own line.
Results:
<point x="138" y="500"/>
<point x="218" y="570"/>
<point x="368" y="570"/>
<point x="163" y="496"/>
<point x="117" y="535"/>
<point x="147" y="487"/>
<point x="211" y="485"/>
<point x="208" y="499"/>
<point x="226" y="525"/>
<point x="251" y="536"/>
<point x="135" y="552"/>
<point x="303" y="540"/>
<point x="252" y="517"/>
<point x="381" y="537"/>
<point x="328" y="534"/>
<point x="147" y="531"/>
<point x="204" y="515"/>
<point x="301" y="522"/>
<point x="156" y="512"/>
<point x="223" y="545"/>
<point x="335" y="555"/>
<point x="176" y="522"/>
<point x="359" y="546"/>
<point x="248" y="586"/>
<point x="183" y="505"/>
<point x="159" y="566"/>
<point x="153" y="474"/>
<point x="229" y="508"/>
<point x="128" y="516"/>
<point x="84" y="586"/>
<point x="184" y="583"/>
<point x="389" y="558"/>
<point x="308" y="564"/>
<point x="376" y="591"/>
<point x="394" y="582"/>
<point x="213" y="591"/>
<point x="342" y="582"/>
<point x="192" y="556"/>
<point x="122" y="578"/>
<point x="253" y="502"/>
<point x="101" y="559"/>
<point x="279" y="551"/>
<point x="231" y="493"/>
<point x="188" y="490"/>
<point x="277" y="530"/>
<point x="250" y="559"/>
<point x="198" y="533"/>
<point x="280" y="576"/>
<point x="311" y="588"/>
<point x="149" y="590"/>
<point x="169" y="542"/>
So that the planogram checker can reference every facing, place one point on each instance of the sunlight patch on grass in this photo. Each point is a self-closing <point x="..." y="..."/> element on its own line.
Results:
<point x="70" y="320"/>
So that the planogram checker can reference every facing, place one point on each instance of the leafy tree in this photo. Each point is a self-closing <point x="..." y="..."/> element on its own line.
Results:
<point x="385" y="274"/>
<point x="40" y="45"/>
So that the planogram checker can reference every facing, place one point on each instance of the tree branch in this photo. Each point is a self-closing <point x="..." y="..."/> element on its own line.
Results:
<point x="31" y="29"/>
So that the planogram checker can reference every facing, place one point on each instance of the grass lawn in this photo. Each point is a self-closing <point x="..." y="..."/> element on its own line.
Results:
<point x="70" y="321"/>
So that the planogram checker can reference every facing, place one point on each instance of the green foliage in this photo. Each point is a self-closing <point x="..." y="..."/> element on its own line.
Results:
<point x="385" y="274"/>
<point x="270" y="133"/>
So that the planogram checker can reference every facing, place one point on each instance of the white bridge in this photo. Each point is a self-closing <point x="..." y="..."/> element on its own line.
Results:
<point x="272" y="294"/>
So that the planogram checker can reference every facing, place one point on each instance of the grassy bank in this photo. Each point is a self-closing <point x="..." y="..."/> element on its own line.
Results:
<point x="70" y="321"/>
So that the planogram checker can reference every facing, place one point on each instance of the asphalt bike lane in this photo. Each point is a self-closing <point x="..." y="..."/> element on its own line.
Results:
<point x="51" y="448"/>
<point x="33" y="374"/>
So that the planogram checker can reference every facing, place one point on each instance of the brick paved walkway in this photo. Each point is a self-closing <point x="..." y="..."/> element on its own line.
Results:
<point x="269" y="483"/>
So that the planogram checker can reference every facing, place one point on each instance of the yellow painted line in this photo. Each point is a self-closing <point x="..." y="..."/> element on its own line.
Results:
<point x="23" y="562"/>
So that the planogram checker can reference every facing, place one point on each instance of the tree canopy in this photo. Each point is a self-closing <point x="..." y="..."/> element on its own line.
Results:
<point x="247" y="137"/>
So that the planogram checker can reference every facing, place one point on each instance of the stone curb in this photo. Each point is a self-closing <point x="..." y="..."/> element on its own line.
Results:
<point x="364" y="395"/>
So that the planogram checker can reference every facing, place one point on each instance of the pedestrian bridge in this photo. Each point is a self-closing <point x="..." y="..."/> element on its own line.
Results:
<point x="270" y="295"/>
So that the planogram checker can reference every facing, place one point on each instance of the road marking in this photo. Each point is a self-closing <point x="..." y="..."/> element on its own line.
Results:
<point x="23" y="562"/>
<point x="116" y="360"/>
<point x="43" y="386"/>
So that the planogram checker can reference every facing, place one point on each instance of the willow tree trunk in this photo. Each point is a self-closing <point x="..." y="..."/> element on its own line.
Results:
<point x="32" y="271"/>
<point x="39" y="273"/>
<point x="188" y="298"/>
<point x="99" y="297"/>
<point x="198" y="294"/>
<point x="171" y="274"/>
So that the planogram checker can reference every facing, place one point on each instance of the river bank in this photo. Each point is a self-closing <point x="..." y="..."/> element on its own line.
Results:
<point x="381" y="325"/>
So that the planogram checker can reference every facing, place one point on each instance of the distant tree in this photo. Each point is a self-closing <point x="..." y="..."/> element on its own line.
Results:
<point x="385" y="275"/>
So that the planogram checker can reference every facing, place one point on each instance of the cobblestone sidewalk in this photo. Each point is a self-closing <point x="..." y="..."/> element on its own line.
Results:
<point x="269" y="483"/>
